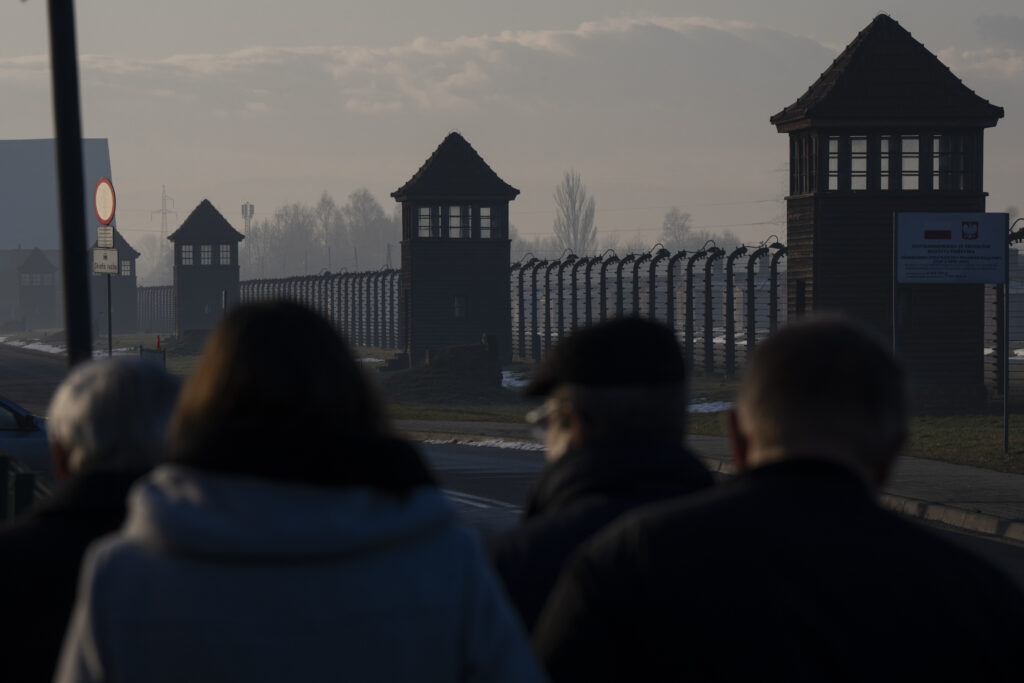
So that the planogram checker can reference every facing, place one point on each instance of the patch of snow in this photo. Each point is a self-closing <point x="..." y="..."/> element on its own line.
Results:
<point x="488" y="443"/>
<point x="709" y="407"/>
<point x="369" y="360"/>
<point x="46" y="348"/>
<point x="511" y="378"/>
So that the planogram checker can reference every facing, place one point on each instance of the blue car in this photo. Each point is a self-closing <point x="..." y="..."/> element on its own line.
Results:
<point x="23" y="437"/>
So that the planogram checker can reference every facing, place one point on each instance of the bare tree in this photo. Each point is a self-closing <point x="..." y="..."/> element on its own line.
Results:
<point x="574" y="223"/>
<point x="675" y="229"/>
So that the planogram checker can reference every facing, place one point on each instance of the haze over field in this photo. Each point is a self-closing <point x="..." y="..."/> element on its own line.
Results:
<point x="657" y="104"/>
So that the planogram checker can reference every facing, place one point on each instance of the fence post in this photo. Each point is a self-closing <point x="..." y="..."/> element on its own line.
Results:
<point x="588" y="309"/>
<point x="619" y="285"/>
<point x="670" y="290"/>
<point x="570" y="260"/>
<point x="636" y="281"/>
<point x="773" y="287"/>
<point x="522" y="307"/>
<point x="603" y="279"/>
<point x="714" y="254"/>
<point x="534" y="326"/>
<point x="652" y="283"/>
<point x="688" y="322"/>
<point x="582" y="261"/>
<point x="547" y="303"/>
<point x="730" y="311"/>
<point x="751" y="303"/>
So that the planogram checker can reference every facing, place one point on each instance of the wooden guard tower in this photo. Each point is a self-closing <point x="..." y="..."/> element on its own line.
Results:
<point x="888" y="128"/>
<point x="455" y="253"/>
<point x="205" y="268"/>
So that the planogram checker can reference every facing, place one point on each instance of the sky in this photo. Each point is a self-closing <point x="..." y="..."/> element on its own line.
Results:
<point x="656" y="103"/>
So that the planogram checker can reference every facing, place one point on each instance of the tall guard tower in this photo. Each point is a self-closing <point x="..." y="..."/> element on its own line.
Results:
<point x="888" y="128"/>
<point x="455" y="253"/>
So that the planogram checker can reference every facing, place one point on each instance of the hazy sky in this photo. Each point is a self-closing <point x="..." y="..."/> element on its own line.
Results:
<point x="656" y="103"/>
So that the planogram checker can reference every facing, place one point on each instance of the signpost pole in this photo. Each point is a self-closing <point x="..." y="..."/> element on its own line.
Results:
<point x="110" y="323"/>
<point x="1006" y="344"/>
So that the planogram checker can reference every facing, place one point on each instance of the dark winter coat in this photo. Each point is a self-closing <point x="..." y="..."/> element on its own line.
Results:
<point x="575" y="497"/>
<point x="39" y="561"/>
<point x="793" y="572"/>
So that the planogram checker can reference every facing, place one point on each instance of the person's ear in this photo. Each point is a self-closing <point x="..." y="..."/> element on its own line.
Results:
<point x="61" y="459"/>
<point x="739" y="444"/>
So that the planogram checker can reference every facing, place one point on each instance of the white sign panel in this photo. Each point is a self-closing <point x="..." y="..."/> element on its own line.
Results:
<point x="957" y="248"/>
<point x="105" y="237"/>
<point x="104" y="261"/>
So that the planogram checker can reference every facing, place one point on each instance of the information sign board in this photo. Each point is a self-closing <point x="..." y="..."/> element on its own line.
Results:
<point x="957" y="248"/>
<point x="104" y="261"/>
<point x="105" y="237"/>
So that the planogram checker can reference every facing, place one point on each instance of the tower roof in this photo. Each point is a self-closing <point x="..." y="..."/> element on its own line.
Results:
<point x="36" y="262"/>
<point x="887" y="78"/>
<point x="206" y="224"/>
<point x="455" y="171"/>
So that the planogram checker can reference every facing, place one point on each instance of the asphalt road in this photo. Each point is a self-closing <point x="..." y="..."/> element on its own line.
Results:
<point x="29" y="378"/>
<point x="489" y="486"/>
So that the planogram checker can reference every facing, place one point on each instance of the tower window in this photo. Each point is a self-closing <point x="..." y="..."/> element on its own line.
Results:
<point x="858" y="162"/>
<point x="883" y="163"/>
<point x="205" y="254"/>
<point x="186" y="254"/>
<point x="126" y="267"/>
<point x="455" y="222"/>
<point x="910" y="163"/>
<point x="833" y="162"/>
<point x="225" y="254"/>
<point x="423" y="222"/>
<point x="485" y="222"/>
<point x="948" y="163"/>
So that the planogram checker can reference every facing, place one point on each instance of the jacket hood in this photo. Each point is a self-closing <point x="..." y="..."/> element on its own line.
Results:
<point x="184" y="511"/>
<point x="646" y="469"/>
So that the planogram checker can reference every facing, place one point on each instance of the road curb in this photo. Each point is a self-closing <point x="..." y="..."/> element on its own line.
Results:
<point x="959" y="518"/>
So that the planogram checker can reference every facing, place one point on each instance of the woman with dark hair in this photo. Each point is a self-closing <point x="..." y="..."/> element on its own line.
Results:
<point x="289" y="537"/>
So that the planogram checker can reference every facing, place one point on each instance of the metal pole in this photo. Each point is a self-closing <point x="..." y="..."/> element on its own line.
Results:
<point x="1006" y="341"/>
<point x="67" y="122"/>
<point x="110" y="323"/>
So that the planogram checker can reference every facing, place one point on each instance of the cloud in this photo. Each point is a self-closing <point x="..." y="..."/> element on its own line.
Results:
<point x="424" y="74"/>
<point x="994" y="63"/>
<point x="1003" y="29"/>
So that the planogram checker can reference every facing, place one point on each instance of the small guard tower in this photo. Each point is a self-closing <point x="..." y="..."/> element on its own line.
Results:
<point x="205" y="268"/>
<point x="888" y="128"/>
<point x="123" y="295"/>
<point x="455" y="253"/>
<point x="37" y="291"/>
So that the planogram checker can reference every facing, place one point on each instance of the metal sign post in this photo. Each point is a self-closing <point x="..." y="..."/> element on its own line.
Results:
<point x="956" y="248"/>
<point x="105" y="258"/>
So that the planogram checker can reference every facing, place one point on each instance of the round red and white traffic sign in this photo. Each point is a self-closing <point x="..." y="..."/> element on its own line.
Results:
<point x="103" y="200"/>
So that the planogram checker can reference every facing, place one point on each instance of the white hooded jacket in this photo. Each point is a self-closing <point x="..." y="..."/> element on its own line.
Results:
<point x="221" y="578"/>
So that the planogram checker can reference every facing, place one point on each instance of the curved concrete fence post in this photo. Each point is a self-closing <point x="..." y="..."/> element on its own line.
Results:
<point x="620" y="285"/>
<point x="603" y="283"/>
<point x="730" y="310"/>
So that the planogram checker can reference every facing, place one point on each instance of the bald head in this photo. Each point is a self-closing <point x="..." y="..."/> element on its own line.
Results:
<point x="825" y="388"/>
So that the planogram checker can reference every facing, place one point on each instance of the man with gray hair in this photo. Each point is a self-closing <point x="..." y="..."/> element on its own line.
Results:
<point x="105" y="427"/>
<point x="793" y="571"/>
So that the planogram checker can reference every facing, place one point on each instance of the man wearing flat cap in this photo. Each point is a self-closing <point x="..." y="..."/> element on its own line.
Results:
<point x="613" y="424"/>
